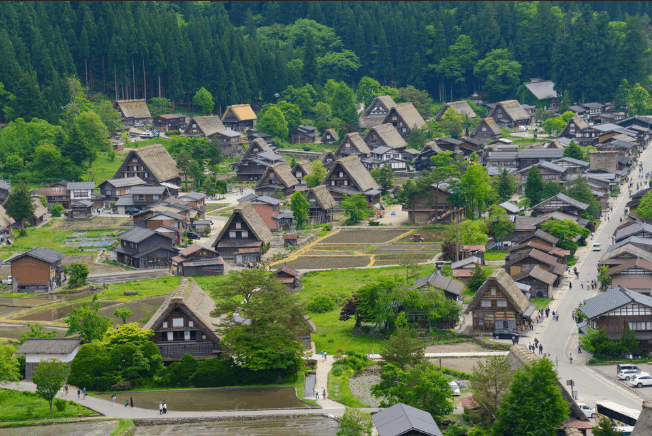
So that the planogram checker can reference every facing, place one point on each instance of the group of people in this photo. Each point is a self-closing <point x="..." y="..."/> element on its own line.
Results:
<point x="591" y="284"/>
<point x="162" y="408"/>
<point x="323" y="393"/>
<point x="536" y="346"/>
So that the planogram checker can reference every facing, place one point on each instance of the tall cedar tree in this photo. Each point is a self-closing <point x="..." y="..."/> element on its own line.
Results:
<point x="534" y="186"/>
<point x="20" y="206"/>
<point x="310" y="73"/>
<point x="403" y="349"/>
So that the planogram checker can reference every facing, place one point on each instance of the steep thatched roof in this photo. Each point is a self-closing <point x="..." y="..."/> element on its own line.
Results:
<point x="409" y="113"/>
<point x="367" y="120"/>
<point x="253" y="221"/>
<point x="194" y="300"/>
<point x="461" y="107"/>
<point x="283" y="174"/>
<point x="158" y="160"/>
<point x="356" y="171"/>
<point x="134" y="108"/>
<point x="579" y="123"/>
<point x="513" y="109"/>
<point x="507" y="285"/>
<point x="355" y="142"/>
<point x="488" y="123"/>
<point x="6" y="220"/>
<point x="323" y="197"/>
<point x="39" y="209"/>
<point x="243" y="112"/>
<point x="388" y="134"/>
<point x="303" y="165"/>
<point x="333" y="133"/>
<point x="258" y="143"/>
<point x="209" y="124"/>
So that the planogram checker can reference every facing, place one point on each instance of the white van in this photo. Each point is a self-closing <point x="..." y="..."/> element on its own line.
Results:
<point x="597" y="246"/>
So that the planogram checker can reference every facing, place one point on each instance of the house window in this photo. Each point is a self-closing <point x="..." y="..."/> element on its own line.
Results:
<point x="502" y="303"/>
<point x="403" y="130"/>
<point x="394" y="118"/>
<point x="164" y="337"/>
<point x="155" y="196"/>
<point x="493" y="291"/>
<point x="193" y="335"/>
<point x="341" y="174"/>
<point x="347" y="145"/>
<point x="177" y="336"/>
<point x="486" y="303"/>
<point x="232" y="235"/>
<point x="346" y="183"/>
<point x="177" y="322"/>
<point x="238" y="226"/>
<point x="245" y="234"/>
<point x="481" y="322"/>
<point x="191" y="324"/>
<point x="332" y="182"/>
<point x="165" y="325"/>
<point x="124" y="175"/>
<point x="484" y="129"/>
<point x="146" y="175"/>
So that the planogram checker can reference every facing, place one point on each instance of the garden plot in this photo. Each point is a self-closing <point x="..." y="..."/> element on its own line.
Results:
<point x="85" y="242"/>
<point x="97" y="223"/>
<point x="368" y="247"/>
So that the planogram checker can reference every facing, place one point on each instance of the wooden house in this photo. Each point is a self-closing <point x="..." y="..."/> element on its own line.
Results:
<point x="266" y="207"/>
<point x="625" y="253"/>
<point x="430" y="205"/>
<point x="452" y="288"/>
<point x="561" y="203"/>
<point x="277" y="177"/>
<point x="37" y="270"/>
<point x="449" y="144"/>
<point x="470" y="146"/>
<point x="304" y="135"/>
<point x="375" y="114"/>
<point x="502" y="159"/>
<point x="169" y="122"/>
<point x="463" y="269"/>
<point x="255" y="161"/>
<point x="245" y="237"/>
<point x="384" y="135"/>
<point x="144" y="248"/>
<point x="352" y="144"/>
<point x="405" y="118"/>
<point x="533" y="258"/>
<point x="533" y="156"/>
<point x="300" y="170"/>
<point x="592" y="108"/>
<point x="55" y="194"/>
<point x="144" y="196"/>
<point x="422" y="160"/>
<point x="635" y="275"/>
<point x="539" y="280"/>
<point x="152" y="163"/>
<point x="544" y="94"/>
<point x="461" y="107"/>
<point x="549" y="173"/>
<point x="230" y="142"/>
<point x="611" y="311"/>
<point x="322" y="204"/>
<point x="80" y="190"/>
<point x="499" y="303"/>
<point x="510" y="114"/>
<point x="39" y="214"/>
<point x="240" y="117"/>
<point x="114" y="188"/>
<point x="330" y="136"/>
<point x="348" y="176"/>
<point x="403" y="420"/>
<point x="397" y="160"/>
<point x="134" y="112"/>
<point x="290" y="240"/>
<point x="6" y="222"/>
<point x="203" y="127"/>
<point x="574" y="128"/>
<point x="81" y="209"/>
<point x="36" y="350"/>
<point x="327" y="158"/>
<point x="184" y="324"/>
<point x="197" y="261"/>
<point x="290" y="277"/>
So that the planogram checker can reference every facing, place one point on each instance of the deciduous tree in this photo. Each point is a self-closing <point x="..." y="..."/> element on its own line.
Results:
<point x="566" y="231"/>
<point x="9" y="370"/>
<point x="204" y="100"/>
<point x="316" y="175"/>
<point x="36" y="332"/>
<point x="534" y="186"/>
<point x="452" y="122"/>
<point x="355" y="208"/>
<point x="300" y="207"/>
<point x="355" y="423"/>
<point x="573" y="150"/>
<point x="49" y="378"/>
<point x="273" y="122"/>
<point x="490" y="382"/>
<point x="123" y="313"/>
<point x="85" y="321"/>
<point x="78" y="274"/>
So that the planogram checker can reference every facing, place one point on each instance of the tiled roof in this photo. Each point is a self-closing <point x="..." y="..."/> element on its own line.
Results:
<point x="49" y="346"/>
<point x="538" y="274"/>
<point x="612" y="299"/>
<point x="41" y="253"/>
<point x="137" y="234"/>
<point x="401" y="419"/>
<point x="635" y="263"/>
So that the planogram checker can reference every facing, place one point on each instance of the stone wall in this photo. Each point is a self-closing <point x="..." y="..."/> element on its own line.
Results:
<point x="604" y="160"/>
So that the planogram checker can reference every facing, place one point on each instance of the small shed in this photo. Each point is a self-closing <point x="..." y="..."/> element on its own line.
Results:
<point x="290" y="239"/>
<point x="36" y="350"/>
<point x="290" y="277"/>
<point x="82" y="209"/>
<point x="401" y="419"/>
<point x="283" y="220"/>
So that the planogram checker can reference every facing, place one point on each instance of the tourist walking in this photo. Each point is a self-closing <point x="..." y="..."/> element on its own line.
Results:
<point x="160" y="408"/>
<point x="570" y="285"/>
<point x="66" y="388"/>
<point x="78" y="394"/>
<point x="126" y="403"/>
<point x="540" y="349"/>
<point x="114" y="397"/>
<point x="316" y="394"/>
<point x="84" y="392"/>
<point x="582" y="284"/>
<point x="132" y="401"/>
<point x="165" y="407"/>
<point x="570" y="357"/>
<point x="323" y="393"/>
<point x="557" y="361"/>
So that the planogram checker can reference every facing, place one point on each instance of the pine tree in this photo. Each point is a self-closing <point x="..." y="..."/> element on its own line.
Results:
<point x="383" y="62"/>
<point x="310" y="73"/>
<point x="28" y="103"/>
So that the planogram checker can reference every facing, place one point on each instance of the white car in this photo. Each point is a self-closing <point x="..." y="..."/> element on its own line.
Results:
<point x="641" y="380"/>
<point x="628" y="374"/>
<point x="597" y="246"/>
<point x="588" y="410"/>
<point x="454" y="387"/>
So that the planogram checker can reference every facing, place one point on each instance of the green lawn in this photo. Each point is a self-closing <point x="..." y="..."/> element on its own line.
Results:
<point x="19" y="406"/>
<point x="104" y="169"/>
<point x="333" y="334"/>
<point x="541" y="303"/>
<point x="495" y="255"/>
<point x="344" y="396"/>
<point x="145" y="288"/>
<point x="123" y="426"/>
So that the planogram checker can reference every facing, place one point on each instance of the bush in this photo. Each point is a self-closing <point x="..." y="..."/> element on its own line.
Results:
<point x="60" y="404"/>
<point x="56" y="210"/>
<point x="120" y="386"/>
<point x="321" y="304"/>
<point x="373" y="223"/>
<point x="337" y="371"/>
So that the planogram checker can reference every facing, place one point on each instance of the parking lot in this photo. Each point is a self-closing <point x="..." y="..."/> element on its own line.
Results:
<point x="609" y="372"/>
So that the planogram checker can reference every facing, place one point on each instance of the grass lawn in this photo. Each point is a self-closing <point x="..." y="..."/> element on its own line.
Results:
<point x="123" y="426"/>
<point x="145" y="288"/>
<point x="104" y="169"/>
<point x="20" y="406"/>
<point x="541" y="303"/>
<point x="495" y="255"/>
<point x="344" y="396"/>
<point x="333" y="334"/>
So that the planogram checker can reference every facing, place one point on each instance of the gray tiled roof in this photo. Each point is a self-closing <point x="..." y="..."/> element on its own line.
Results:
<point x="632" y="230"/>
<point x="49" y="346"/>
<point x="510" y="207"/>
<point x="253" y="198"/>
<point x="80" y="186"/>
<point x="193" y="196"/>
<point x="127" y="200"/>
<point x="542" y="90"/>
<point x="541" y="153"/>
<point x="137" y="234"/>
<point x="612" y="299"/>
<point x="571" y="160"/>
<point x="401" y="418"/>
<point x="147" y="190"/>
<point x="42" y="253"/>
<point x="127" y="181"/>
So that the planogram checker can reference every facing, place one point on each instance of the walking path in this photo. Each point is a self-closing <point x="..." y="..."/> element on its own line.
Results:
<point x="449" y="355"/>
<point x="111" y="410"/>
<point x="323" y="369"/>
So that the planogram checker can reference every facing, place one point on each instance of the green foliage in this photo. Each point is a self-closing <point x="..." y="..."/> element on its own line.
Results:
<point x="78" y="274"/>
<point x="477" y="187"/>
<point x="19" y="205"/>
<point x="490" y="382"/>
<point x="555" y="124"/>
<point x="127" y="334"/>
<point x="479" y="276"/>
<point x="36" y="332"/>
<point x="566" y="231"/>
<point x="355" y="208"/>
<point x="340" y="98"/>
<point x="537" y="382"/>
<point x="369" y="88"/>
<point x="534" y="186"/>
<point x="500" y="223"/>
<point x="579" y="190"/>
<point x="422" y="386"/>
<point x="384" y="176"/>
<point x="644" y="208"/>
<point x="85" y="321"/>
<point x="292" y="114"/>
<point x="567" y="115"/>
<point x="316" y="175"/>
<point x="504" y="185"/>
<point x="605" y="428"/>
<point x="9" y="366"/>
<point x="573" y="150"/>
<point x="273" y="123"/>
<point x="419" y="98"/>
<point x="471" y="232"/>
<point x="403" y="349"/>
<point x="355" y="423"/>
<point x="300" y="207"/>
<point x="123" y="313"/>
<point x="452" y="122"/>
<point x="603" y="278"/>
<point x="321" y="304"/>
<point x="49" y="378"/>
<point x="500" y="74"/>
<point x="204" y="100"/>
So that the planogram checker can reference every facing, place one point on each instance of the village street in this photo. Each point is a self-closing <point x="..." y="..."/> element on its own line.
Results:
<point x="561" y="338"/>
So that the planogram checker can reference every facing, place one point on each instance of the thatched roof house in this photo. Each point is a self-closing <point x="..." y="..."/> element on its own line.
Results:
<point x="461" y="107"/>
<point x="348" y="176"/>
<point x="133" y="111"/>
<point x="243" y="236"/>
<point x="152" y="163"/>
<point x="405" y="118"/>
<point x="205" y="126"/>
<point x="277" y="176"/>
<point x="386" y="135"/>
<point x="509" y="113"/>
<point x="184" y="324"/>
<point x="375" y="114"/>
<point x="301" y="169"/>
<point x="330" y="136"/>
<point x="352" y="144"/>
<point x="322" y="204"/>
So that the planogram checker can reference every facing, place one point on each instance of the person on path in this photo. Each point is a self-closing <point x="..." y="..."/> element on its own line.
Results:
<point x="582" y="284"/>
<point x="557" y="317"/>
<point x="570" y="285"/>
<point x="547" y="312"/>
<point x="165" y="407"/>
<point x="126" y="403"/>
<point x="160" y="408"/>
<point x="114" y="397"/>
<point x="84" y="392"/>
<point x="537" y="319"/>
<point x="579" y="350"/>
<point x="557" y="361"/>
<point x="531" y="326"/>
<point x="540" y="349"/>
<point x="132" y="401"/>
<point x="570" y="357"/>
<point x="323" y="393"/>
<point x="78" y="394"/>
<point x="66" y="388"/>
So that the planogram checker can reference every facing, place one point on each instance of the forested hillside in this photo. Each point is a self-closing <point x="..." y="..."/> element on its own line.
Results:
<point x="249" y="51"/>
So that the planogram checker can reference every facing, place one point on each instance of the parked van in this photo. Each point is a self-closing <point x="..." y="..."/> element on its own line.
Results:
<point x="623" y="366"/>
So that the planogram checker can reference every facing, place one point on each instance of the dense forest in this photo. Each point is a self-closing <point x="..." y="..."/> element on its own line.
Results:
<point x="250" y="51"/>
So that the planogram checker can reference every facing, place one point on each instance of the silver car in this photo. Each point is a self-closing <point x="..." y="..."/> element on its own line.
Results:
<point x="640" y="381"/>
<point x="629" y="374"/>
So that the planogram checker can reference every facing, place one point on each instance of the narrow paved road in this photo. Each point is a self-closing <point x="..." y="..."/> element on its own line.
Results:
<point x="561" y="338"/>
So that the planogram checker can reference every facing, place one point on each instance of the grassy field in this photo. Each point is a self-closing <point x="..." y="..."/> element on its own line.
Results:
<point x="333" y="334"/>
<point x="541" y="303"/>
<point x="104" y="169"/>
<point x="123" y="426"/>
<point x="145" y="288"/>
<point x="495" y="255"/>
<point x="344" y="396"/>
<point x="19" y="406"/>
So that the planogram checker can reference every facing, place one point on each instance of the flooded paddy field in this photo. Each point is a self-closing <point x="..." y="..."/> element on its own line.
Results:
<point x="195" y="400"/>
<point x="14" y="331"/>
<point x="304" y="426"/>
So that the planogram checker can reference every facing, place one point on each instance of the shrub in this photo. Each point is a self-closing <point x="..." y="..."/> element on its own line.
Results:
<point x="60" y="404"/>
<point x="373" y="223"/>
<point x="56" y="210"/>
<point x="321" y="304"/>
<point x="337" y="371"/>
<point x="121" y="386"/>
